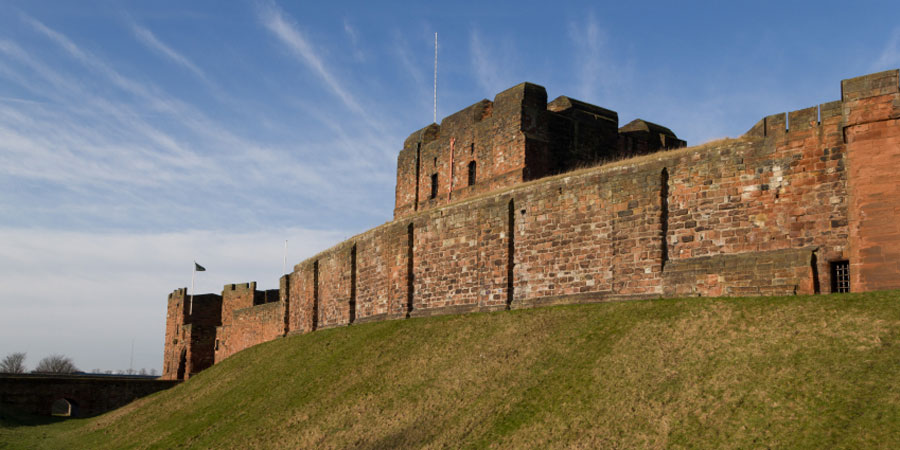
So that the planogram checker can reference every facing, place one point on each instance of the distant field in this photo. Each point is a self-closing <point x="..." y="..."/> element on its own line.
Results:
<point x="798" y="372"/>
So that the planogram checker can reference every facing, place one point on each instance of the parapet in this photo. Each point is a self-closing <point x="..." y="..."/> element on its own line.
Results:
<point x="835" y="115"/>
<point x="872" y="85"/>
<point x="515" y="138"/>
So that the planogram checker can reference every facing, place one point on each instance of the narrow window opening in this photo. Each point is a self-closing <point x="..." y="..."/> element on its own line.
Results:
<point x="217" y="345"/>
<point x="410" y="276"/>
<point x="471" y="173"/>
<point x="472" y="149"/>
<point x="434" y="186"/>
<point x="435" y="161"/>
<point x="664" y="217"/>
<point x="353" y="284"/>
<point x="814" y="261"/>
<point x="840" y="276"/>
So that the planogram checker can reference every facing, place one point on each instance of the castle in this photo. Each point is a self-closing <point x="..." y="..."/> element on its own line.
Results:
<point x="518" y="202"/>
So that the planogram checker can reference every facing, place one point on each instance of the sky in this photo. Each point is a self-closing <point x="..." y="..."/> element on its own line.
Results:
<point x="138" y="137"/>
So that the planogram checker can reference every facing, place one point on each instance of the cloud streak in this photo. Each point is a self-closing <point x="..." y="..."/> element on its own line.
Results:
<point x="140" y="152"/>
<point x="601" y="78"/>
<point x="890" y="56"/>
<point x="277" y="22"/>
<point x="150" y="40"/>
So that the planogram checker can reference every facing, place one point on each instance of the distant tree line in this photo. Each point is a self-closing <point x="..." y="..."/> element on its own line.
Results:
<point x="14" y="363"/>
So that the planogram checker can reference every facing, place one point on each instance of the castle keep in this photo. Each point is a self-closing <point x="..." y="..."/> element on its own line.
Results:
<point x="518" y="202"/>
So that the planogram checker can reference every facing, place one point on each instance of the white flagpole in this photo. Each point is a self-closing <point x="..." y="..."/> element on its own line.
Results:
<point x="435" y="77"/>
<point x="191" y="307"/>
<point x="284" y="263"/>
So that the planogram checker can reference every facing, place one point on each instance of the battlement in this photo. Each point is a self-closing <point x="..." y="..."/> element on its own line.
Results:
<point x="517" y="137"/>
<point x="856" y="106"/>
<point x="783" y="124"/>
<point x="251" y="286"/>
<point x="872" y="85"/>
<point x="489" y="216"/>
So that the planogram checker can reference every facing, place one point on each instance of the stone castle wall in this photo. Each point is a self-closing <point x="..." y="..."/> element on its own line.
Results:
<point x="772" y="212"/>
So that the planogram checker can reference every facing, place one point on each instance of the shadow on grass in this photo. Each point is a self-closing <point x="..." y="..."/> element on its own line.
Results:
<point x="11" y="418"/>
<point x="414" y="435"/>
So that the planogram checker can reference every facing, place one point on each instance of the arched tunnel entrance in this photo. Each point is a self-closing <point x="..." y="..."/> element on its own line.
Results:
<point x="64" y="407"/>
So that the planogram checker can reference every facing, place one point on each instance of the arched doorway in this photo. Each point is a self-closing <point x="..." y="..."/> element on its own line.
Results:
<point x="64" y="407"/>
<point x="182" y="364"/>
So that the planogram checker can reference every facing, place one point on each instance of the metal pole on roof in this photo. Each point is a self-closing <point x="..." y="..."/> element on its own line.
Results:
<point x="435" y="77"/>
<point x="284" y="263"/>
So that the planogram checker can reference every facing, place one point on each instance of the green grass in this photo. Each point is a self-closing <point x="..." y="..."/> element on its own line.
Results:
<point x="799" y="372"/>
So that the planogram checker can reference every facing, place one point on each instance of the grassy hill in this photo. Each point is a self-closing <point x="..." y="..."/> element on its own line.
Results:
<point x="815" y="372"/>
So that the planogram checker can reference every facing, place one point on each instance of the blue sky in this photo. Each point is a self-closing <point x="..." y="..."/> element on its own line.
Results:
<point x="136" y="137"/>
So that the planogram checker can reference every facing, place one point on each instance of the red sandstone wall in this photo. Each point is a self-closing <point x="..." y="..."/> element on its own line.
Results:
<point x="192" y="334"/>
<point x="174" y="341"/>
<point x="760" y="215"/>
<point x="255" y="325"/>
<point x="496" y="135"/>
<point x="592" y="233"/>
<point x="382" y="270"/>
<point x="334" y="287"/>
<point x="303" y="305"/>
<point x="460" y="257"/>
<point x="871" y="111"/>
<point x="247" y="320"/>
<point x="234" y="297"/>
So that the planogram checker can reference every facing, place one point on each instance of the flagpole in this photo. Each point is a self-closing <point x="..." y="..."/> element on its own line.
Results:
<point x="193" y="273"/>
<point x="435" y="77"/>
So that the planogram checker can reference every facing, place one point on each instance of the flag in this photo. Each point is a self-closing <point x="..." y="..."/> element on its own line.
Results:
<point x="198" y="267"/>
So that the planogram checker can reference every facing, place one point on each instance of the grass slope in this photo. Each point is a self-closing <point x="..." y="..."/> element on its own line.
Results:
<point x="814" y="372"/>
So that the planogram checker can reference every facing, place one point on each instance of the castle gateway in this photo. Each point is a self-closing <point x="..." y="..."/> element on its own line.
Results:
<point x="518" y="202"/>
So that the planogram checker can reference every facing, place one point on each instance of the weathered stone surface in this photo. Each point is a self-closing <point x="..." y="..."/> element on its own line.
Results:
<point x="767" y="213"/>
<point x="88" y="395"/>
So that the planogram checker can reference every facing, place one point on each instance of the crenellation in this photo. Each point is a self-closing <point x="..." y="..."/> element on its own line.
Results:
<point x="548" y="203"/>
<point x="803" y="119"/>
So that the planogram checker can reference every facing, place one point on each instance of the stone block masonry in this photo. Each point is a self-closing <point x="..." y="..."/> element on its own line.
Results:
<point x="517" y="202"/>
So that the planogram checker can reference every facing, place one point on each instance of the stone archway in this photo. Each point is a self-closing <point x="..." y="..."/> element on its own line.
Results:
<point x="64" y="407"/>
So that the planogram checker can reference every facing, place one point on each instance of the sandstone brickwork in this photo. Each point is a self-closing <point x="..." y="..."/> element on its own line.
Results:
<point x="518" y="217"/>
<point x="190" y="333"/>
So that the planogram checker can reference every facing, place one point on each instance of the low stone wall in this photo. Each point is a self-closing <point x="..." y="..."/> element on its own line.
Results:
<point x="88" y="395"/>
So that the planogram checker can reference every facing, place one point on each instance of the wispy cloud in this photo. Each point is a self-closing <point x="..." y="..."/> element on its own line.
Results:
<point x="487" y="65"/>
<point x="353" y="36"/>
<point x="890" y="56"/>
<point x="123" y="160"/>
<point x="149" y="39"/>
<point x="601" y="76"/>
<point x="416" y="68"/>
<point x="279" y="24"/>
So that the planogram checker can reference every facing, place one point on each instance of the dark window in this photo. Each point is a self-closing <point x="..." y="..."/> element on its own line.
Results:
<point x="217" y="345"/>
<point x="434" y="186"/>
<point x="840" y="276"/>
<point x="471" y="173"/>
